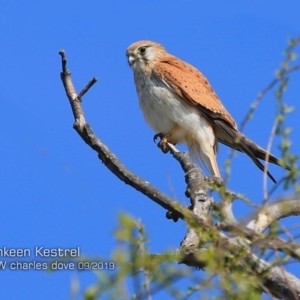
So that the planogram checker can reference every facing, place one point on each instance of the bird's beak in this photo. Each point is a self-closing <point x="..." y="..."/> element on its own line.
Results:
<point x="131" y="60"/>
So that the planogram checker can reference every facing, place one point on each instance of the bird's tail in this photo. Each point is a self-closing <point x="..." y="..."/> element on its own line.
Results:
<point x="255" y="152"/>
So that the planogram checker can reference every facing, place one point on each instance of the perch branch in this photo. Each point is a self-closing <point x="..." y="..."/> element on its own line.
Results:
<point x="201" y="203"/>
<point x="111" y="161"/>
<point x="278" y="282"/>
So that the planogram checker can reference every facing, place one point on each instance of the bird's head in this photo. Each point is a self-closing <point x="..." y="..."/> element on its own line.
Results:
<point x="143" y="54"/>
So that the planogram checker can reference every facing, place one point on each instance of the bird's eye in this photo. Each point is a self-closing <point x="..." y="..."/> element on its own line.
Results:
<point x="142" y="50"/>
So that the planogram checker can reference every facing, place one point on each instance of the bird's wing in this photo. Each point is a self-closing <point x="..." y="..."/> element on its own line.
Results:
<point x="192" y="86"/>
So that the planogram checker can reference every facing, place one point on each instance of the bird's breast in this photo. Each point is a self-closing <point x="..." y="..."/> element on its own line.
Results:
<point x="163" y="108"/>
<point x="157" y="103"/>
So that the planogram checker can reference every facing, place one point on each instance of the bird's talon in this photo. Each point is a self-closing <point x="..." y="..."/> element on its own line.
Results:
<point x="156" y="136"/>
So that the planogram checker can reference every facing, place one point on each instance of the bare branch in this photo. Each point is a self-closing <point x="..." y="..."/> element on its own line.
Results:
<point x="201" y="203"/>
<point x="268" y="150"/>
<point x="195" y="180"/>
<point x="274" y="212"/>
<point x="104" y="154"/>
<point x="268" y="215"/>
<point x="276" y="281"/>
<point x="87" y="87"/>
<point x="230" y="224"/>
<point x="260" y="96"/>
<point x="273" y="242"/>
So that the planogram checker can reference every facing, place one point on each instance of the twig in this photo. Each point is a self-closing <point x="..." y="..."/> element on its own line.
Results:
<point x="87" y="87"/>
<point x="260" y="96"/>
<point x="268" y="150"/>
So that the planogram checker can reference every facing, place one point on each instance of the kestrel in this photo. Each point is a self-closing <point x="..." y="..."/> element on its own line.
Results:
<point x="180" y="105"/>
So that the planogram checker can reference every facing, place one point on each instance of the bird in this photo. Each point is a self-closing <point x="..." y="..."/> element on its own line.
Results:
<point x="181" y="106"/>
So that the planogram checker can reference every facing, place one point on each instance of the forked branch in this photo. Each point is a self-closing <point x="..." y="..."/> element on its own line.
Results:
<point x="276" y="281"/>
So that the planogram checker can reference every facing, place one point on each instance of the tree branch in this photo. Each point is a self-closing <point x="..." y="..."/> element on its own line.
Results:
<point x="104" y="154"/>
<point x="274" y="212"/>
<point x="278" y="282"/>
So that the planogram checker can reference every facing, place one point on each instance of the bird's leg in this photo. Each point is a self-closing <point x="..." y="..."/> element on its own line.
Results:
<point x="164" y="139"/>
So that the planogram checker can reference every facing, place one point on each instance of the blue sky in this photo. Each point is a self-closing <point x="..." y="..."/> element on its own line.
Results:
<point x="54" y="191"/>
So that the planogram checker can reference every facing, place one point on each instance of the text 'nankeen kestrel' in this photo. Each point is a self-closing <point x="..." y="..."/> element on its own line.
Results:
<point x="180" y="105"/>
